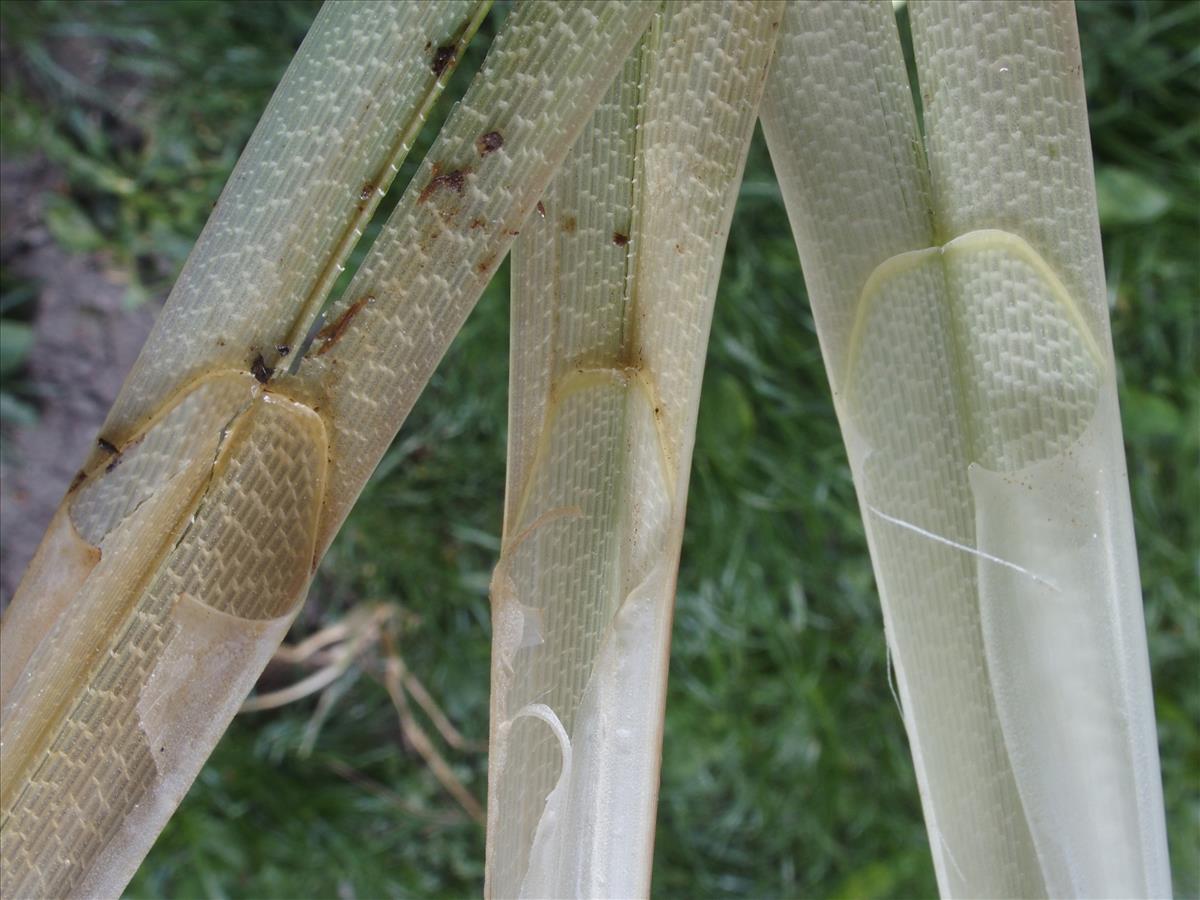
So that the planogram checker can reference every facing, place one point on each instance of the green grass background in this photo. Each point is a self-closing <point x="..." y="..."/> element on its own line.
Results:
<point x="785" y="767"/>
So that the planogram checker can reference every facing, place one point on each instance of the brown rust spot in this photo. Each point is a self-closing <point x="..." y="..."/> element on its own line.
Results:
<point x="367" y="190"/>
<point x="332" y="333"/>
<point x="489" y="143"/>
<point x="569" y="225"/>
<point x="106" y="445"/>
<point x="477" y="223"/>
<point x="619" y="239"/>
<point x="541" y="208"/>
<point x="443" y="57"/>
<point x="80" y="478"/>
<point x="486" y="264"/>
<point x="260" y="370"/>
<point x="283" y="349"/>
<point x="455" y="180"/>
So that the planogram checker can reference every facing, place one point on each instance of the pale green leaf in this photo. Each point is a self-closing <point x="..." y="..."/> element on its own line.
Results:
<point x="1126" y="197"/>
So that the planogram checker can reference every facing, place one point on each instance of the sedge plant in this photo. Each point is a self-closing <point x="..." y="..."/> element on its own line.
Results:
<point x="956" y="282"/>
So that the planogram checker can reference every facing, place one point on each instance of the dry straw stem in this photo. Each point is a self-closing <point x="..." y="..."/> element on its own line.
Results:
<point x="960" y="302"/>
<point x="612" y="300"/>
<point x="182" y="552"/>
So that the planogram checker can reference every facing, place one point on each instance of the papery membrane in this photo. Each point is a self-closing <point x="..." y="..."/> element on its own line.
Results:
<point x="1059" y="652"/>
<point x="169" y="631"/>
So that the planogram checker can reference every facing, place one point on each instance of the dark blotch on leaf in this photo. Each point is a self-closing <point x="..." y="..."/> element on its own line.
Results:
<point x="620" y="239"/>
<point x="456" y="181"/>
<point x="489" y="143"/>
<point x="442" y="58"/>
<point x="332" y="333"/>
<point x="260" y="370"/>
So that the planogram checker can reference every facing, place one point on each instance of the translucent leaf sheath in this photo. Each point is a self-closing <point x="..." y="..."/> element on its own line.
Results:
<point x="961" y="311"/>
<point x="613" y="289"/>
<point x="455" y="223"/>
<point x="1070" y="671"/>
<point x="181" y="553"/>
<point x="329" y="144"/>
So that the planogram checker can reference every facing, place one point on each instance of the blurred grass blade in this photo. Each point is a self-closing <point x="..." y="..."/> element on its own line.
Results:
<point x="613" y="286"/>
<point x="16" y="340"/>
<point x="182" y="551"/>
<point x="961" y="312"/>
